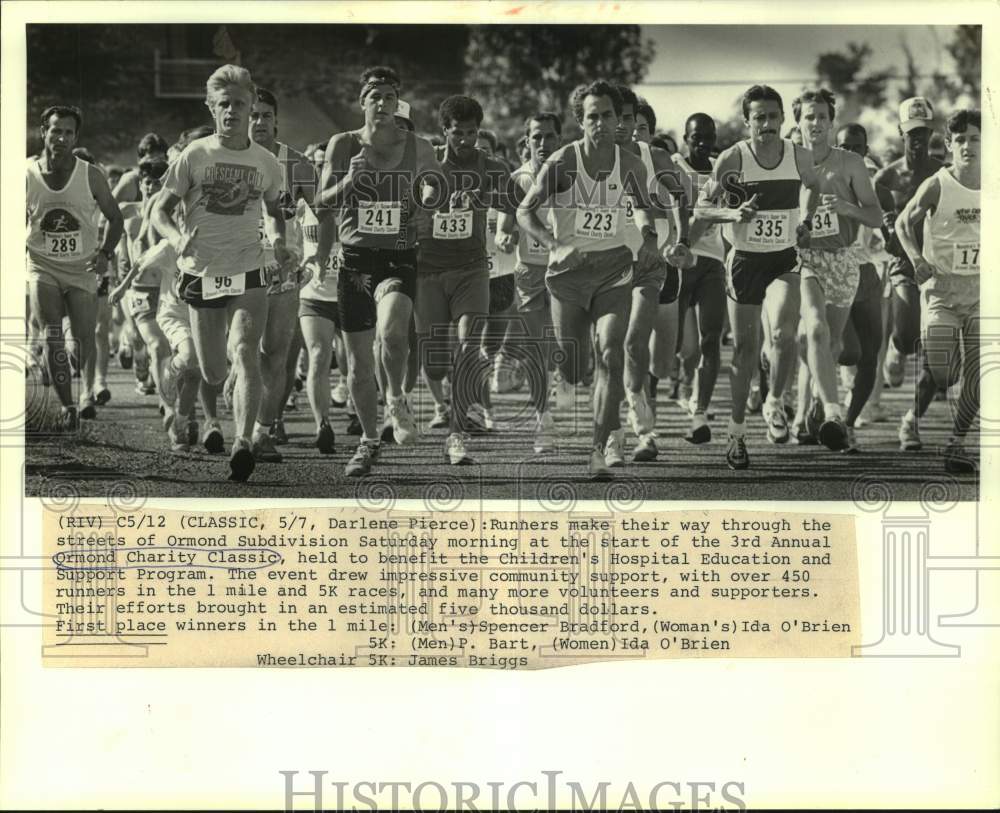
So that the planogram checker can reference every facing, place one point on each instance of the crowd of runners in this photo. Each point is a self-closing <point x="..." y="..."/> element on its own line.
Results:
<point x="614" y="266"/>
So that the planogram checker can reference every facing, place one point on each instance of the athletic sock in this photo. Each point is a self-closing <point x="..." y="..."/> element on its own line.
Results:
<point x="737" y="430"/>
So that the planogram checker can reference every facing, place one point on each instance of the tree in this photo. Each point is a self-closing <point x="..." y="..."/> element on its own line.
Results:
<point x="846" y="75"/>
<point x="515" y="70"/>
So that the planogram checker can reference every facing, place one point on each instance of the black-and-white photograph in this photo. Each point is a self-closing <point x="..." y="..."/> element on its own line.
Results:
<point x="663" y="262"/>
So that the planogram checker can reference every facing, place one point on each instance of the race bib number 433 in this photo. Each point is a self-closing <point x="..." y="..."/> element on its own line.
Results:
<point x="597" y="223"/>
<point x="769" y="229"/>
<point x="379" y="217"/>
<point x="63" y="244"/>
<point x="453" y="225"/>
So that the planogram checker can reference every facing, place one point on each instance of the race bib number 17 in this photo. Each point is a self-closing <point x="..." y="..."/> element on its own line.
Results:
<point x="966" y="258"/>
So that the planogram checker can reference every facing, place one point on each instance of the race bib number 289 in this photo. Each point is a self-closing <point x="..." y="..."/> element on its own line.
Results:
<point x="63" y="244"/>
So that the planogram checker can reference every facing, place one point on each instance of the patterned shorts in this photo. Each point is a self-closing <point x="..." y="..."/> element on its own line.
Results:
<point x="837" y="272"/>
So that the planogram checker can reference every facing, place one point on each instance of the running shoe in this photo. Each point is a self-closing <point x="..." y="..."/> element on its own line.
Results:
<point x="325" y="438"/>
<point x="361" y="463"/>
<point x="645" y="448"/>
<point x="777" y="422"/>
<point x="103" y="396"/>
<point x="69" y="420"/>
<point x="278" y="433"/>
<point x="640" y="413"/>
<point x="852" y="442"/>
<point x="404" y="426"/>
<point x="737" y="457"/>
<point x="815" y="417"/>
<point x="833" y="434"/>
<point x="264" y="450"/>
<point x="88" y="411"/>
<point x="700" y="431"/>
<point x="213" y="441"/>
<point x="909" y="434"/>
<point x="241" y="461"/>
<point x="956" y="460"/>
<point x="442" y="417"/>
<point x="614" y="449"/>
<point x="354" y="425"/>
<point x="455" y="451"/>
<point x="339" y="395"/>
<point x="598" y="469"/>
<point x="873" y="413"/>
<point x="894" y="366"/>
<point x="545" y="430"/>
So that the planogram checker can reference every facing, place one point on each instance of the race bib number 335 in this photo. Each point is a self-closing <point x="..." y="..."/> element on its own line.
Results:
<point x="769" y="229"/>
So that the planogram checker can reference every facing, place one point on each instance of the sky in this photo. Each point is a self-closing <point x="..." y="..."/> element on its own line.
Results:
<point x="735" y="57"/>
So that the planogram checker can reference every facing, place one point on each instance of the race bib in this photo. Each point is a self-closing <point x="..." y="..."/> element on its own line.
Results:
<point x="63" y="244"/>
<point x="215" y="287"/>
<point x="262" y="234"/>
<point x="597" y="222"/>
<point x="536" y="249"/>
<point x="141" y="302"/>
<point x="965" y="260"/>
<point x="453" y="225"/>
<point x="825" y="222"/>
<point x="379" y="217"/>
<point x="769" y="229"/>
<point x="629" y="211"/>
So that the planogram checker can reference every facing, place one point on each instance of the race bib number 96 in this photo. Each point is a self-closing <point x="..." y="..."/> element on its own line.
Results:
<point x="215" y="287"/>
<point x="966" y="258"/>
<point x="63" y="244"/>
<point x="769" y="229"/>
<point x="597" y="223"/>
<point x="379" y="217"/>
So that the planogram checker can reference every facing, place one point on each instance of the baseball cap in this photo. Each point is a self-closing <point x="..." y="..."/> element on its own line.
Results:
<point x="915" y="112"/>
<point x="403" y="109"/>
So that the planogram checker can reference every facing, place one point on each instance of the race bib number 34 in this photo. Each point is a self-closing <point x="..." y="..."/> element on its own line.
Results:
<point x="453" y="225"/>
<point x="966" y="258"/>
<point x="63" y="244"/>
<point x="380" y="217"/>
<point x="825" y="222"/>
<point x="597" y="223"/>
<point x="214" y="287"/>
<point x="769" y="229"/>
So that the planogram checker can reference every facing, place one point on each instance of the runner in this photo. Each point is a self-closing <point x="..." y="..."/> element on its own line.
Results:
<point x="863" y="333"/>
<point x="896" y="184"/>
<point x="829" y="267"/>
<point x="542" y="134"/>
<point x="127" y="189"/>
<point x="65" y="197"/>
<point x="653" y="292"/>
<point x="759" y="181"/>
<point x="453" y="283"/>
<point x="369" y="175"/>
<point x="280" y="342"/>
<point x="947" y="270"/>
<point x="703" y="287"/>
<point x="587" y="184"/>
<point x="220" y="179"/>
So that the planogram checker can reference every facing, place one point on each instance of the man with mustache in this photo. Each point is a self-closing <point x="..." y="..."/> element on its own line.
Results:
<point x="758" y="182"/>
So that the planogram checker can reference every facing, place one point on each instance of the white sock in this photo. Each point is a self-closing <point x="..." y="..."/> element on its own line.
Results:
<point x="736" y="429"/>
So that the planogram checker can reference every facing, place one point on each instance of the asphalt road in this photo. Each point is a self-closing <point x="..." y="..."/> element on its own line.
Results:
<point x="125" y="452"/>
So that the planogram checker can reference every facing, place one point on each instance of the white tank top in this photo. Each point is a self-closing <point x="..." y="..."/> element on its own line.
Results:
<point x="293" y="232"/>
<point x="773" y="227"/>
<point x="951" y="232"/>
<point x="529" y="250"/>
<point x="710" y="244"/>
<point x="590" y="215"/>
<point x="498" y="263"/>
<point x="314" y="289"/>
<point x="62" y="224"/>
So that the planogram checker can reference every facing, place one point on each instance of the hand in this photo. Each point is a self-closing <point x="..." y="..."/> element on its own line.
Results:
<point x="115" y="294"/>
<point x="922" y="270"/>
<point x="320" y="265"/>
<point x="459" y="200"/>
<point x="98" y="264"/>
<point x="564" y="258"/>
<point x="837" y="204"/>
<point x="506" y="242"/>
<point x="679" y="256"/>
<point x="282" y="256"/>
<point x="803" y="236"/>
<point x="357" y="165"/>
<point x="746" y="212"/>
<point x="182" y="244"/>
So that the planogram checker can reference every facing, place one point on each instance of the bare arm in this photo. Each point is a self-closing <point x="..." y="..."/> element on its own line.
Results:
<point x="920" y="205"/>
<point x="708" y="209"/>
<point x="109" y="208"/>
<point x="551" y="176"/>
<point x="339" y="174"/>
